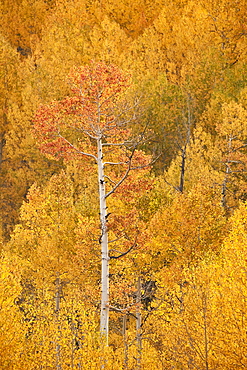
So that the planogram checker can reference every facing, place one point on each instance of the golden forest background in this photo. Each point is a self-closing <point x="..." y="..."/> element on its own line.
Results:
<point x="179" y="297"/>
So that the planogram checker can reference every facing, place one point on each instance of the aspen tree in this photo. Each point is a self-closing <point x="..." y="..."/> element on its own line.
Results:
<point x="88" y="124"/>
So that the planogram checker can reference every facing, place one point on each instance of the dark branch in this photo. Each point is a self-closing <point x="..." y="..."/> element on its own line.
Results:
<point x="124" y="176"/>
<point x="123" y="254"/>
<point x="123" y="311"/>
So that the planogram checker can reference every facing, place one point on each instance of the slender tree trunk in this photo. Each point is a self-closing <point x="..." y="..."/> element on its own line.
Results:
<point x="104" y="317"/>
<point x="205" y="329"/>
<point x="183" y="147"/>
<point x="4" y="125"/>
<point x="227" y="174"/>
<point x="57" y="310"/>
<point x="125" y="340"/>
<point x="224" y="187"/>
<point x="73" y="334"/>
<point x="138" y="324"/>
<point x="182" y="172"/>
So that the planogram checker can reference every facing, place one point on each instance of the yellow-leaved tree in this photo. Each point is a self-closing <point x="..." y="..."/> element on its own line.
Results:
<point x="58" y="298"/>
<point x="13" y="327"/>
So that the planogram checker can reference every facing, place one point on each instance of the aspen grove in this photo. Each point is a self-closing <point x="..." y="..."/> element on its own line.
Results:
<point x="123" y="157"/>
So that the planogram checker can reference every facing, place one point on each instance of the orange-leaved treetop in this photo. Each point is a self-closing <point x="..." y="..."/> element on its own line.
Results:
<point x="93" y="122"/>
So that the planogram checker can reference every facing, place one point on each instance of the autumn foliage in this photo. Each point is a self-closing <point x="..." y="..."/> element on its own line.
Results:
<point x="89" y="111"/>
<point x="123" y="124"/>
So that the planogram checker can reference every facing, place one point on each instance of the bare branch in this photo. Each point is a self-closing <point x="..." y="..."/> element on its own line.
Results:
<point x="146" y="165"/>
<point x="123" y="254"/>
<point x="241" y="147"/>
<point x="173" y="186"/>
<point x="76" y="149"/>
<point x="130" y="169"/>
<point x="115" y="240"/>
<point x="123" y="311"/>
<point x="126" y="144"/>
<point x="108" y="178"/>
<point x="113" y="144"/>
<point x="89" y="134"/>
<point x="122" y="179"/>
<point x="114" y="163"/>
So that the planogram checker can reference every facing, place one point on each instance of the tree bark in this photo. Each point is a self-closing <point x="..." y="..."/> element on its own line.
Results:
<point x="138" y="324"/>
<point x="57" y="311"/>
<point x="104" y="316"/>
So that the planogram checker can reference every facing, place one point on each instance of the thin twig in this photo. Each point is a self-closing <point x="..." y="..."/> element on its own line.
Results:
<point x="76" y="149"/>
<point x="124" y="253"/>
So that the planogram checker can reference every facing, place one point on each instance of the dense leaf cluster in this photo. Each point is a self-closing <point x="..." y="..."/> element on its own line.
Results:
<point x="178" y="289"/>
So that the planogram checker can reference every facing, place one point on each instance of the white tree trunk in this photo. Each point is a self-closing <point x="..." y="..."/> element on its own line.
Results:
<point x="138" y="324"/>
<point x="57" y="311"/>
<point x="104" y="316"/>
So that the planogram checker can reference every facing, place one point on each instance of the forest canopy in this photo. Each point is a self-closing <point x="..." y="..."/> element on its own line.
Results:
<point x="142" y="104"/>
